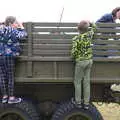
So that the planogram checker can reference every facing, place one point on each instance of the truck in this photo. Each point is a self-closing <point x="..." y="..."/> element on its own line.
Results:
<point x="44" y="73"/>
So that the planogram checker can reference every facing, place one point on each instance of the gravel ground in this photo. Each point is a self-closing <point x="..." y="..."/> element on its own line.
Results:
<point x="109" y="111"/>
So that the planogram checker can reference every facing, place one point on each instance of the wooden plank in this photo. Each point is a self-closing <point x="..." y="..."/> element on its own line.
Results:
<point x="51" y="52"/>
<point x="54" y="24"/>
<point x="107" y="36"/>
<point x="65" y="59"/>
<point x="51" y="36"/>
<point x="47" y="53"/>
<point x="66" y="24"/>
<point x="106" y="47"/>
<point x="67" y="47"/>
<point x="44" y="80"/>
<point x="52" y="46"/>
<point x="69" y="41"/>
<point x="52" y="41"/>
<point x="106" y="52"/>
<point x="23" y="44"/>
<point x="55" y="30"/>
<point x="30" y="39"/>
<point x="100" y="41"/>
<point x="70" y="36"/>
<point x="108" y="25"/>
<point x="55" y="69"/>
<point x="65" y="80"/>
<point x="48" y="58"/>
<point x="107" y="30"/>
<point x="107" y="59"/>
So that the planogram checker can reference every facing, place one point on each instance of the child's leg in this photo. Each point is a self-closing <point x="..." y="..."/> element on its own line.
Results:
<point x="10" y="70"/>
<point x="77" y="81"/>
<point x="3" y="76"/>
<point x="2" y="82"/>
<point x="10" y="63"/>
<point x="86" y="83"/>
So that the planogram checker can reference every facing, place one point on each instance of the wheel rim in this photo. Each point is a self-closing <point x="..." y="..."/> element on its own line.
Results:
<point x="11" y="116"/>
<point x="78" y="116"/>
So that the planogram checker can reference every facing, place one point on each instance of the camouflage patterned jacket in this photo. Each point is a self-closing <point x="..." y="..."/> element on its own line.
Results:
<point x="82" y="45"/>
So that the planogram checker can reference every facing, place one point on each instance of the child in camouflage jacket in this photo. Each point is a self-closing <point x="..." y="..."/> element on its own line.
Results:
<point x="82" y="53"/>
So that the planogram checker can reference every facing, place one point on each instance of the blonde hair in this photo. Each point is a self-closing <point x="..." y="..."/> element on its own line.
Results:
<point x="83" y="26"/>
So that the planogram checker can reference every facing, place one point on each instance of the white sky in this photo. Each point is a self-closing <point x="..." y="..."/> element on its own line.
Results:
<point x="50" y="10"/>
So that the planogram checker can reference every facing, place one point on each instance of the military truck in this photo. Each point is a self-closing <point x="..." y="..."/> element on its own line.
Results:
<point x="45" y="72"/>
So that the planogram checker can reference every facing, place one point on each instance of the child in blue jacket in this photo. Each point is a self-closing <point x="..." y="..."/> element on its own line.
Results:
<point x="10" y="34"/>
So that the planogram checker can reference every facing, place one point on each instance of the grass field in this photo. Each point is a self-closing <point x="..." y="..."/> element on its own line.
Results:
<point x="109" y="111"/>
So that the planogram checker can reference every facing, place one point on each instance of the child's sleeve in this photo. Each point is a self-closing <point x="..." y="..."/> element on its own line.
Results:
<point x="1" y="30"/>
<point x="20" y="33"/>
<point x="74" y="47"/>
<point x="91" y="32"/>
<point x="92" y="28"/>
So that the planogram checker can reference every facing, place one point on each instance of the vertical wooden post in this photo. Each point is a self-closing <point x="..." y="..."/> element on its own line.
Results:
<point x="30" y="41"/>
<point x="55" y="70"/>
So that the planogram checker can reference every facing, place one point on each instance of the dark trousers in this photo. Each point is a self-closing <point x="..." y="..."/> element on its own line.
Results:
<point x="7" y="64"/>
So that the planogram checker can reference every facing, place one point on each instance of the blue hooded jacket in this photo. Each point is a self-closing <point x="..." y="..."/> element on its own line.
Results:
<point x="10" y="40"/>
<point x="107" y="18"/>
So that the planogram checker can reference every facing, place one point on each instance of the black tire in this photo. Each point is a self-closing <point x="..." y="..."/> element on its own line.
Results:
<point x="68" y="111"/>
<point x="20" y="111"/>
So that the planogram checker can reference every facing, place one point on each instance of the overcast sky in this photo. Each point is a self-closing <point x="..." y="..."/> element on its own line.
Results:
<point x="50" y="10"/>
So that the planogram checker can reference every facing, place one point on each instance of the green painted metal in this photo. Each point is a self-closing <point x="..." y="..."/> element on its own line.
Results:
<point x="46" y="54"/>
<point x="45" y="69"/>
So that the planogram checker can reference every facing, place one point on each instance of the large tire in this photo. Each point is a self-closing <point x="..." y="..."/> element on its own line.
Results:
<point x="20" y="111"/>
<point x="68" y="111"/>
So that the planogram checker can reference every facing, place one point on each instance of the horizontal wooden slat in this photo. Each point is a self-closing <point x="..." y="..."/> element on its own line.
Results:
<point x="52" y="41"/>
<point x="65" y="80"/>
<point x="52" y="46"/>
<point x="106" y="52"/>
<point x="69" y="41"/>
<point x="107" y="59"/>
<point x="70" y="36"/>
<point x="48" y="58"/>
<point x="55" y="30"/>
<point x="44" y="80"/>
<point x="67" y="52"/>
<point x="51" y="52"/>
<point x="107" y="30"/>
<point x="108" y="25"/>
<point x="68" y="58"/>
<point x="68" y="46"/>
<point x="24" y="44"/>
<point x="106" y="47"/>
<point x="51" y="36"/>
<point x="54" y="24"/>
<point x="107" y="36"/>
<point x="100" y="41"/>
